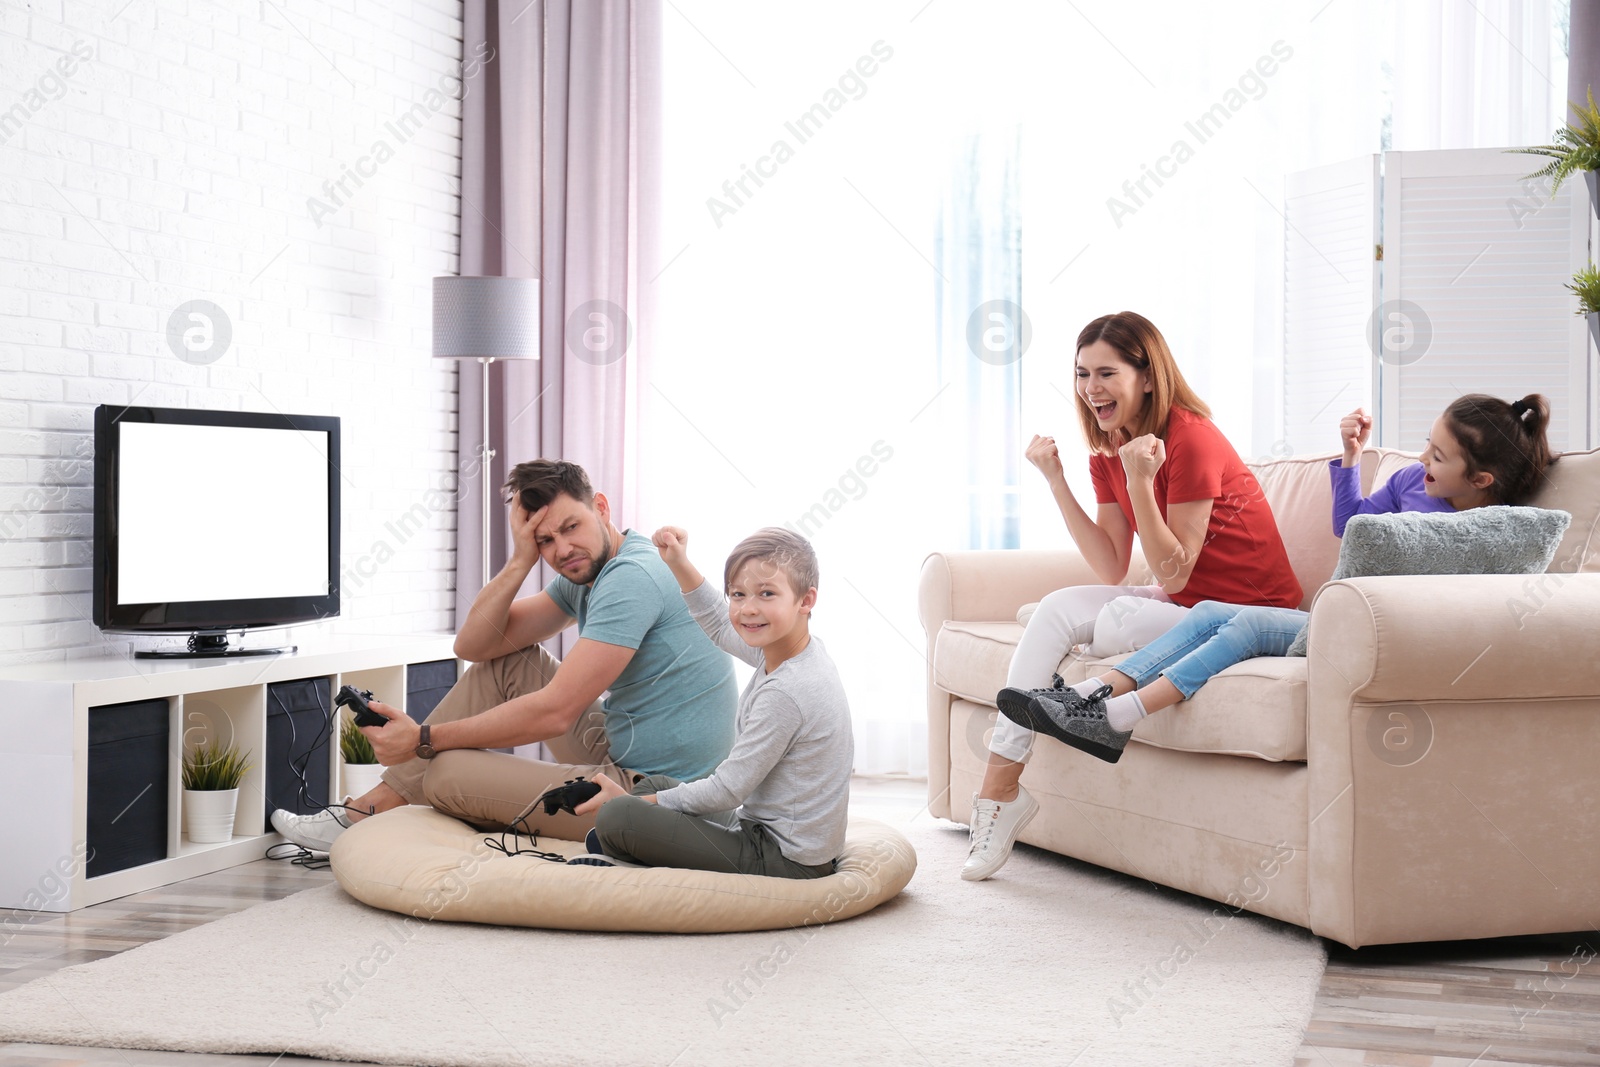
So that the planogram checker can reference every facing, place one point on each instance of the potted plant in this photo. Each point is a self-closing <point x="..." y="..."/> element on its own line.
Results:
<point x="1577" y="148"/>
<point x="362" y="771"/>
<point x="211" y="776"/>
<point x="1586" y="286"/>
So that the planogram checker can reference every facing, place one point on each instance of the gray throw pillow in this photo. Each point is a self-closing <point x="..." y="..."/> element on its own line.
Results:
<point x="1489" y="540"/>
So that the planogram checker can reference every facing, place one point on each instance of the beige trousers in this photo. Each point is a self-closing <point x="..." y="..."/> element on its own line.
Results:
<point x="493" y="790"/>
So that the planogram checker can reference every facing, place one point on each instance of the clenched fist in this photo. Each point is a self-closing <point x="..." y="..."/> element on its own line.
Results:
<point x="1042" y="453"/>
<point x="673" y="544"/>
<point x="1355" y="430"/>
<point x="1143" y="456"/>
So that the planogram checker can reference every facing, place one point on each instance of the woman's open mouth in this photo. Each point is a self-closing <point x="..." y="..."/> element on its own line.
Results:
<point x="1104" y="410"/>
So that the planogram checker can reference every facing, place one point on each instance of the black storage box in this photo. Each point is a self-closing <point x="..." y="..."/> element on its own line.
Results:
<point x="426" y="685"/>
<point x="128" y="779"/>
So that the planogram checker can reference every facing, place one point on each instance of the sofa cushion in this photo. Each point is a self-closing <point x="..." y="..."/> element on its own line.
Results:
<point x="1255" y="708"/>
<point x="970" y="659"/>
<point x="1301" y="494"/>
<point x="1493" y="540"/>
<point x="1572" y="484"/>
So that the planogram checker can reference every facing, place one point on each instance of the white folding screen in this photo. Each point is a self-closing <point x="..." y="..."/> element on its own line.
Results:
<point x="1330" y="285"/>
<point x="1484" y="257"/>
<point x="1469" y="295"/>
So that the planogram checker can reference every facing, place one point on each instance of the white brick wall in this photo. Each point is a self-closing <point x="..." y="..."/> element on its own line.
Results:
<point x="176" y="162"/>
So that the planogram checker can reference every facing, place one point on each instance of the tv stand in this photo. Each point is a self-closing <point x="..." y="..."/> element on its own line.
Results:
<point x="65" y="728"/>
<point x="211" y="645"/>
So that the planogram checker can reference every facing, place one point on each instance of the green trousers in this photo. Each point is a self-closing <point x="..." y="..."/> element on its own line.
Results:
<point x="638" y="831"/>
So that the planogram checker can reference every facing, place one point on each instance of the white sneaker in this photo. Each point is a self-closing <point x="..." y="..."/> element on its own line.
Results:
<point x="314" y="833"/>
<point x="995" y="827"/>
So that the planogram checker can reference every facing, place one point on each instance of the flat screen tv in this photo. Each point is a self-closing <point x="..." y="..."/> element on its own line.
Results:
<point x="207" y="522"/>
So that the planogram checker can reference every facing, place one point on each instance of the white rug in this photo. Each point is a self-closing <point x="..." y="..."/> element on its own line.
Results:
<point x="1050" y="962"/>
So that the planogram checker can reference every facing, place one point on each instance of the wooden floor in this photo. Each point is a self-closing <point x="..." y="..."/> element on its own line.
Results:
<point x="1511" y="1001"/>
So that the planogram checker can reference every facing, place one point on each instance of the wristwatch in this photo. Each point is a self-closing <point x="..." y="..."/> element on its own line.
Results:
<point x="424" y="746"/>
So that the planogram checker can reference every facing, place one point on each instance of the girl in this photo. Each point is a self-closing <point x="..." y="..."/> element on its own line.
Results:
<point x="1481" y="451"/>
<point x="1161" y="469"/>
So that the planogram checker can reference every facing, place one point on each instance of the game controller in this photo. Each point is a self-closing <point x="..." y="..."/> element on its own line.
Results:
<point x="568" y="796"/>
<point x="351" y="697"/>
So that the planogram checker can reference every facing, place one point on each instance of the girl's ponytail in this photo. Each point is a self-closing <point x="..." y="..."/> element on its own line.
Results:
<point x="1510" y="441"/>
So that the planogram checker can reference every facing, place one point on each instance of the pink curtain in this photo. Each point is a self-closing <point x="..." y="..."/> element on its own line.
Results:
<point x="559" y="180"/>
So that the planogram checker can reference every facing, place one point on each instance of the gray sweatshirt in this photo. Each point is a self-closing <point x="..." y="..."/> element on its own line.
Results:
<point x="794" y="749"/>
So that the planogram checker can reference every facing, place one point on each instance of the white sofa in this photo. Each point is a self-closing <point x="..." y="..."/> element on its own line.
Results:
<point x="1430" y="771"/>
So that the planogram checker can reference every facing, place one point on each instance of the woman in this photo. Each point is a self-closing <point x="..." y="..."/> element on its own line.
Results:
<point x="1163" y="470"/>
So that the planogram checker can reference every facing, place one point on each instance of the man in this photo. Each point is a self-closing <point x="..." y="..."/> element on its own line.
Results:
<point x="670" y="708"/>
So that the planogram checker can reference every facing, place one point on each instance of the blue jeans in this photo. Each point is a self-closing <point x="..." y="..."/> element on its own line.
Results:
<point x="1210" y="639"/>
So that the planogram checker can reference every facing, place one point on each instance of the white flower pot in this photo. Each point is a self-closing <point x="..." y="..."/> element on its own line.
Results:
<point x="208" y="814"/>
<point x="361" y="778"/>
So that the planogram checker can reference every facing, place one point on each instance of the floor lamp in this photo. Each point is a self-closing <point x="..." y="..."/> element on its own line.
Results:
<point x="485" y="319"/>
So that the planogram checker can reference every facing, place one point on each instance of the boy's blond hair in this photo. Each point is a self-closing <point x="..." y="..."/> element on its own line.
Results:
<point x="789" y="552"/>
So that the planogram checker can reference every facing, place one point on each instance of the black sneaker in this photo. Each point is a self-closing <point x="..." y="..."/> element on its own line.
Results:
<point x="1098" y="738"/>
<point x="1048" y="714"/>
<point x="1013" y="703"/>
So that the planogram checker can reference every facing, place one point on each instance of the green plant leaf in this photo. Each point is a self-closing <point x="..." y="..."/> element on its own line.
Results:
<point x="353" y="744"/>
<point x="214" y="766"/>
<point x="1586" y="286"/>
<point x="1576" y="147"/>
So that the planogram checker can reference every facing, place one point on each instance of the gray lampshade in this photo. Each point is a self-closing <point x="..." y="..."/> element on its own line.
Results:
<point x="476" y="318"/>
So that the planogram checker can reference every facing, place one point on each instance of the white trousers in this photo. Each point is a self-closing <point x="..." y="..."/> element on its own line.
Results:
<point x="1106" y="619"/>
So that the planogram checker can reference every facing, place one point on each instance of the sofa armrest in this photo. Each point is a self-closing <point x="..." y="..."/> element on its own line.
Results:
<point x="1453" y="728"/>
<point x="979" y="586"/>
<point x="988" y="586"/>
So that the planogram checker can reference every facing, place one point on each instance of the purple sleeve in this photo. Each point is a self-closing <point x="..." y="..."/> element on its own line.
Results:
<point x="1346" y="494"/>
<point x="1387" y="499"/>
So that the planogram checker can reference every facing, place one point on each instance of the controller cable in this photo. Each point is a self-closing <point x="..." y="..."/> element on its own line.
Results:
<point x="515" y="848"/>
<point x="296" y="854"/>
<point x="313" y="861"/>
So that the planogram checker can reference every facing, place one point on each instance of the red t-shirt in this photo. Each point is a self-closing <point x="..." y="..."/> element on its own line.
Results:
<point x="1242" y="560"/>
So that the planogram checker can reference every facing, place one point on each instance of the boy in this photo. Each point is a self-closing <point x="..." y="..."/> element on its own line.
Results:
<point x="777" y="805"/>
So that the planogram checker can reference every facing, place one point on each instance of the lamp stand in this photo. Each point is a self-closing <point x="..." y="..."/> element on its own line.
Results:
<point x="485" y="454"/>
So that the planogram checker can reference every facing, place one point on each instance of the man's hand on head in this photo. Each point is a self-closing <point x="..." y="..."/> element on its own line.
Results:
<point x="525" y="530"/>
<point x="396" y="741"/>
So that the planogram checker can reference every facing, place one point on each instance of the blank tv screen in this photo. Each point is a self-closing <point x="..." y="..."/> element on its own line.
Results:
<point x="221" y="513"/>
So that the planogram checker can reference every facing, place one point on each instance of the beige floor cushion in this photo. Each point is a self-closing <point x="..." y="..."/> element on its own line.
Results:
<point x="419" y="862"/>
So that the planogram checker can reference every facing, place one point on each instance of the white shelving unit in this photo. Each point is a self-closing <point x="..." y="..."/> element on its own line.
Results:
<point x="44" y="754"/>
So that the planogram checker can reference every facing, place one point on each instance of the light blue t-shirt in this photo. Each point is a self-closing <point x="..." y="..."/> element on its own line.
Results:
<point x="671" y="709"/>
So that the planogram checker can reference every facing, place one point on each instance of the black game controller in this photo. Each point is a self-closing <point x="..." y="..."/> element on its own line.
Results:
<point x="568" y="796"/>
<point x="351" y="697"/>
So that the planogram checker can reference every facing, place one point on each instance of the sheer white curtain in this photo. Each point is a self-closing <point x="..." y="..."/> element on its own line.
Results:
<point x="1484" y="74"/>
<point x="797" y="377"/>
